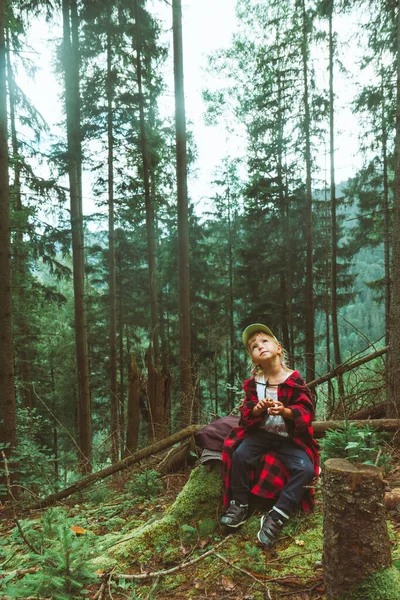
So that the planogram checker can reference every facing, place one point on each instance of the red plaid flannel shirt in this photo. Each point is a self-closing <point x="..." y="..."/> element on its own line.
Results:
<point x="269" y="478"/>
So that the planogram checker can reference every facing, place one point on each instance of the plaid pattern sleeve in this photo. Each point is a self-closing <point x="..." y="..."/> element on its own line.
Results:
<point x="271" y="475"/>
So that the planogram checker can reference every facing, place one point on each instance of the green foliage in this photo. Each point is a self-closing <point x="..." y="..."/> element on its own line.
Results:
<point x="32" y="461"/>
<point x="62" y="563"/>
<point x="189" y="534"/>
<point x="355" y="444"/>
<point x="146" y="485"/>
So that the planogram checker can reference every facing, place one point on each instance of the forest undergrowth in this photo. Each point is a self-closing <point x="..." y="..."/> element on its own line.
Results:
<point x="146" y="536"/>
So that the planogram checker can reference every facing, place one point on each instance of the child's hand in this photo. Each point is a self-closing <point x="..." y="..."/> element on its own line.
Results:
<point x="262" y="406"/>
<point x="279" y="409"/>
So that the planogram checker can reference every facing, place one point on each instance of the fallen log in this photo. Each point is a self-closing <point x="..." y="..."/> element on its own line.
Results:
<point x="119" y="466"/>
<point x="390" y="425"/>
<point x="376" y="411"/>
<point x="320" y="428"/>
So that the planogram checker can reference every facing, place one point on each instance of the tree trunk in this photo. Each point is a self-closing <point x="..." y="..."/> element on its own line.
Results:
<point x="187" y="398"/>
<point x="309" y="291"/>
<point x="282" y="203"/>
<point x="7" y="396"/>
<point x="111" y="262"/>
<point x="72" y="104"/>
<point x="393" y="408"/>
<point x="334" y="280"/>
<point x="159" y="384"/>
<point x="386" y="213"/>
<point x="19" y="249"/>
<point x="132" y="425"/>
<point x="356" y="539"/>
<point x="231" y="359"/>
<point x="151" y="247"/>
<point x="121" y="403"/>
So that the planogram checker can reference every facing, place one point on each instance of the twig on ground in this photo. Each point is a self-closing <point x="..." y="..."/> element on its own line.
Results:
<point x="285" y="558"/>
<point x="306" y="590"/>
<point x="183" y="565"/>
<point x="235" y="567"/>
<point x="18" y="572"/>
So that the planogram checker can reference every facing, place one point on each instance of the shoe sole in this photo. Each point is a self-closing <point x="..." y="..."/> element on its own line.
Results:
<point x="235" y="525"/>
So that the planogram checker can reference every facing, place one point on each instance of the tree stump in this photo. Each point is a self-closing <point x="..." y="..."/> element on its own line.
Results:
<point x="356" y="539"/>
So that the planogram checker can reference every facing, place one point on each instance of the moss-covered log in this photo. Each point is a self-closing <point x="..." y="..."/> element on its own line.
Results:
<point x="194" y="514"/>
<point x="357" y="554"/>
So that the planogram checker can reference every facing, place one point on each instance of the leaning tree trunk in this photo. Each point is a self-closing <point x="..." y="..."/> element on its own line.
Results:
<point x="7" y="396"/>
<point x="356" y="541"/>
<point x="393" y="408"/>
<point x="187" y="398"/>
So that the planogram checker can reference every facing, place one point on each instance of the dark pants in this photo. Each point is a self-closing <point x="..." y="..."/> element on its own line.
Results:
<point x="248" y="455"/>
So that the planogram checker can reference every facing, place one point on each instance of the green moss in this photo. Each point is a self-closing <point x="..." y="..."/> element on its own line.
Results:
<point x="303" y="552"/>
<point x="207" y="527"/>
<point x="382" y="585"/>
<point x="199" y="498"/>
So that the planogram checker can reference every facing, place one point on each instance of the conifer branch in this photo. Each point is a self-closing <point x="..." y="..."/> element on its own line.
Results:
<point x="12" y="500"/>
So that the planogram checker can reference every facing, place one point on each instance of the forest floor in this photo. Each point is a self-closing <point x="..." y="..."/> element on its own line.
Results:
<point x="65" y="541"/>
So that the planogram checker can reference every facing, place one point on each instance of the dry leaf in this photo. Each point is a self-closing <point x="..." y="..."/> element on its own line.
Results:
<point x="78" y="530"/>
<point x="198" y="584"/>
<point x="227" y="583"/>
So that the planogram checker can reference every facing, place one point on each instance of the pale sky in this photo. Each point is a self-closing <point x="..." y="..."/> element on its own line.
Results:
<point x="207" y="26"/>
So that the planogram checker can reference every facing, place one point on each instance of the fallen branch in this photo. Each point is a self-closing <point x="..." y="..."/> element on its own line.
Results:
<point x="20" y="572"/>
<point x="344" y="367"/>
<point x="119" y="466"/>
<point x="164" y="572"/>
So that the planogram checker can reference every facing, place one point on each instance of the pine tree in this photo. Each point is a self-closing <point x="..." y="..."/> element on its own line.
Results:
<point x="7" y="396"/>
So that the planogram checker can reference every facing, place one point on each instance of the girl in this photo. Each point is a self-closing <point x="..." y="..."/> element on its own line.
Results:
<point x="275" y="435"/>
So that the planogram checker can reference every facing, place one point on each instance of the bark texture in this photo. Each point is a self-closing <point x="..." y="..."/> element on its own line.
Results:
<point x="309" y="291"/>
<point x="356" y="539"/>
<point x="7" y="396"/>
<point x="393" y="407"/>
<point x="159" y="384"/>
<point x="72" y="107"/>
<point x="132" y="426"/>
<point x="185" y="360"/>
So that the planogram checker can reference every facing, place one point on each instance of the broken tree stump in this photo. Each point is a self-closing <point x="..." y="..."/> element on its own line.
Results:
<point x="357" y="553"/>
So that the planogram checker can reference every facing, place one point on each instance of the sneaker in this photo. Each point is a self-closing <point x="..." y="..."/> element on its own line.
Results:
<point x="269" y="531"/>
<point x="235" y="515"/>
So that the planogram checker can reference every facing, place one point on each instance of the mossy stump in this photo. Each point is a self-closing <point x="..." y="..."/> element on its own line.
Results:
<point x="356" y="539"/>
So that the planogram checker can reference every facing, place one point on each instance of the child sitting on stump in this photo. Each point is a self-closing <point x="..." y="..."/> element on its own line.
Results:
<point x="274" y="434"/>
